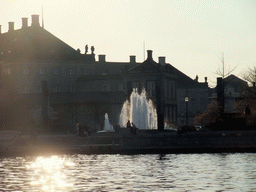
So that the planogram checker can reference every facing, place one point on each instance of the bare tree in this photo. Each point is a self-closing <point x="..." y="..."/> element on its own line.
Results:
<point x="221" y="71"/>
<point x="247" y="106"/>
<point x="250" y="75"/>
<point x="249" y="95"/>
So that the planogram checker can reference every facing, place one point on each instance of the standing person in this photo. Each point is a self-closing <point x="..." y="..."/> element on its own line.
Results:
<point x="77" y="128"/>
<point x="117" y="127"/>
<point x="128" y="125"/>
<point x="134" y="129"/>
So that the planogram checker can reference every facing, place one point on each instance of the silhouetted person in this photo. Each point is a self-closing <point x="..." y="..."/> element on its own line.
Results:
<point x="86" y="49"/>
<point x="80" y="131"/>
<point x="92" y="49"/>
<point x="128" y="125"/>
<point x="134" y="128"/>
<point x="87" y="130"/>
<point x="247" y="111"/>
<point x="77" y="129"/>
<point x="117" y="127"/>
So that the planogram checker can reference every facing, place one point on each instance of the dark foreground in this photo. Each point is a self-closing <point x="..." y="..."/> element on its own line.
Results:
<point x="144" y="142"/>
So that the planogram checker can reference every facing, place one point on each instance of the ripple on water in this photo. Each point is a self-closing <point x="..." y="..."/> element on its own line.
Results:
<point x="213" y="172"/>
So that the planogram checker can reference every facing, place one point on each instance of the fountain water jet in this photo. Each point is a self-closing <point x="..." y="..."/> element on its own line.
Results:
<point x="139" y="111"/>
<point x="107" y="125"/>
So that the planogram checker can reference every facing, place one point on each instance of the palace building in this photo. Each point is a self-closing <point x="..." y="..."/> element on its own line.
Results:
<point x="64" y="86"/>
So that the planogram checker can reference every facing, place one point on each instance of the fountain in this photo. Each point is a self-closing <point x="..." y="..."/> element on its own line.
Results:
<point x="107" y="125"/>
<point x="139" y="111"/>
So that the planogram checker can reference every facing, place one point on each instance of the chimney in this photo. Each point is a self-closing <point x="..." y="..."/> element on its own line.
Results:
<point x="220" y="93"/>
<point x="35" y="20"/>
<point x="11" y="26"/>
<point x="132" y="59"/>
<point x="24" y="22"/>
<point x="102" y="58"/>
<point x="161" y="60"/>
<point x="149" y="54"/>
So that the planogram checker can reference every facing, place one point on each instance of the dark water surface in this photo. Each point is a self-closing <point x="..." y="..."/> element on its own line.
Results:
<point x="171" y="172"/>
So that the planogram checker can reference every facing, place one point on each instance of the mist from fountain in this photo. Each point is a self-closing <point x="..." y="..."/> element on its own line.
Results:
<point x="140" y="111"/>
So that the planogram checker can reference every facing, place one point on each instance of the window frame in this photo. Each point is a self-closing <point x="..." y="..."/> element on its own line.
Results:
<point x="41" y="71"/>
<point x="55" y="89"/>
<point x="56" y="71"/>
<point x="107" y="87"/>
<point x="70" y="71"/>
<point x="151" y="88"/>
<point x="135" y="85"/>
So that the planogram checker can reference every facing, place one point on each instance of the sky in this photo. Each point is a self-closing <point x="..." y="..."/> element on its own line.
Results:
<point x="193" y="35"/>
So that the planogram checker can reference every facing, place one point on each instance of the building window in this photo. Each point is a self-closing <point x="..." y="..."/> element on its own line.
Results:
<point x="166" y="89"/>
<point x="105" y="87"/>
<point x="8" y="71"/>
<point x="25" y="89"/>
<point x="86" y="72"/>
<point x="25" y="70"/>
<point x="202" y="107"/>
<point x="121" y="87"/>
<point x="70" y="71"/>
<point x="71" y="88"/>
<point x="170" y="114"/>
<point x="173" y="90"/>
<point x="39" y="89"/>
<point x="166" y="119"/>
<point x="136" y="85"/>
<point x="174" y="114"/>
<point x="55" y="89"/>
<point x="56" y="71"/>
<point x="151" y="88"/>
<point x="170" y="89"/>
<point x="41" y="71"/>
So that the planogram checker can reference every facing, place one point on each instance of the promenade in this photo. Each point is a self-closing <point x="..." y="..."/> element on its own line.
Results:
<point x="143" y="142"/>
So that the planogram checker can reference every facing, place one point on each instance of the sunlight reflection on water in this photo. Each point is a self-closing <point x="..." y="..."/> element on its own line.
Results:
<point x="195" y="172"/>
<point x="48" y="174"/>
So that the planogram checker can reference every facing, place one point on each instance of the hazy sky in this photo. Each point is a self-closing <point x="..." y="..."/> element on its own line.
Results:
<point x="192" y="35"/>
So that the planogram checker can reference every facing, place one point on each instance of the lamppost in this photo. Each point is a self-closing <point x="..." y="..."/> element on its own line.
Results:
<point x="186" y="101"/>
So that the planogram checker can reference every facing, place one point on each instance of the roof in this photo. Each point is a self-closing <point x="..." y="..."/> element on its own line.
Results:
<point x="33" y="42"/>
<point x="149" y="65"/>
<point x="234" y="79"/>
<point x="183" y="80"/>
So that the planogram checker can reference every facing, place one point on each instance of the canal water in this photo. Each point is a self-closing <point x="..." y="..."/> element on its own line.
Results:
<point x="170" y="172"/>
